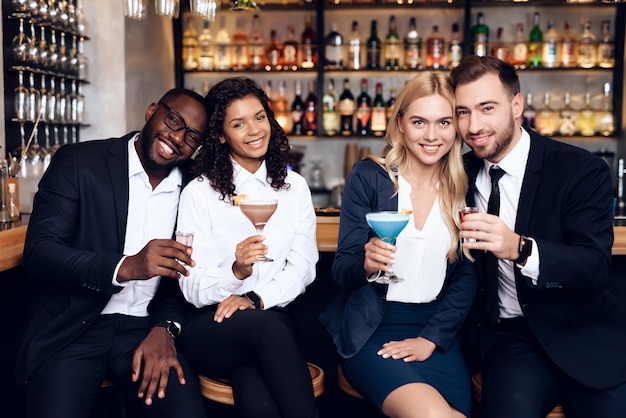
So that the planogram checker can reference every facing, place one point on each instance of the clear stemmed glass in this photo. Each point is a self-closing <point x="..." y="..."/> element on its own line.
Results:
<point x="21" y="43"/>
<point x="259" y="212"/>
<point x="388" y="225"/>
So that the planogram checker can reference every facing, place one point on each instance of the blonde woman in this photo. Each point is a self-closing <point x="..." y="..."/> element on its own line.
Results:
<point x="398" y="342"/>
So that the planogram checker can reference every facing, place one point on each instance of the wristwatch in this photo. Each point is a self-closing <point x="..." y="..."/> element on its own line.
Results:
<point x="254" y="298"/>
<point x="525" y="248"/>
<point x="172" y="329"/>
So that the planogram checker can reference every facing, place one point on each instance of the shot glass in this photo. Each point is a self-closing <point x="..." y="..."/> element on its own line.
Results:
<point x="462" y="213"/>
<point x="185" y="237"/>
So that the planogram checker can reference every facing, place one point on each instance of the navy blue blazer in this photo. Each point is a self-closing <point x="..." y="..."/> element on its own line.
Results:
<point x="566" y="207"/>
<point x="357" y="311"/>
<point x="75" y="239"/>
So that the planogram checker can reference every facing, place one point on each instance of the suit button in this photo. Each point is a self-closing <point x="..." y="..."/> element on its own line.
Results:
<point x="86" y="323"/>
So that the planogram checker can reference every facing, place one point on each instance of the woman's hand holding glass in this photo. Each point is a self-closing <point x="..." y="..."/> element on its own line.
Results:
<point x="247" y="253"/>
<point x="379" y="256"/>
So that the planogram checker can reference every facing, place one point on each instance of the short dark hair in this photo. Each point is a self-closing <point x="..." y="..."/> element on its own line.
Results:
<point x="177" y="92"/>
<point x="473" y="67"/>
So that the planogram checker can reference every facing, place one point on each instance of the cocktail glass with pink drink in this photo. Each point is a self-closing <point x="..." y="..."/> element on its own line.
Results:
<point x="388" y="225"/>
<point x="259" y="212"/>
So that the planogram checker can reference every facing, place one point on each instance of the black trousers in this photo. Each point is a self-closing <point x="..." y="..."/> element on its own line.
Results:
<point x="520" y="381"/>
<point x="68" y="383"/>
<point x="258" y="352"/>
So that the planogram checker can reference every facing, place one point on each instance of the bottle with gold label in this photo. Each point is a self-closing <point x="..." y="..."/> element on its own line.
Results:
<point x="606" y="120"/>
<point x="569" y="47"/>
<point x="546" y="118"/>
<point x="379" y="113"/>
<point x="587" y="118"/>
<point x="606" y="47"/>
<point x="567" y="125"/>
<point x="519" y="56"/>
<point x="190" y="49"/>
<point x="330" y="110"/>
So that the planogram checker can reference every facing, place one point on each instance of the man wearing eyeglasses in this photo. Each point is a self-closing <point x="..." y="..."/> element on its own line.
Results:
<point x="103" y="268"/>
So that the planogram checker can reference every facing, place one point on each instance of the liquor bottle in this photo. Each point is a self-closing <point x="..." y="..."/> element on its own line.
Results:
<point x="390" y="103"/>
<point x="551" y="46"/>
<point x="606" y="47"/>
<point x="14" y="211"/>
<point x="373" y="48"/>
<point x="546" y="118"/>
<point x="256" y="47"/>
<point x="333" y="45"/>
<point x="455" y="48"/>
<point x="222" y="47"/>
<point x="297" y="112"/>
<point x="330" y="111"/>
<point x="587" y="119"/>
<point x="189" y="50"/>
<point x="435" y="50"/>
<point x="379" y="112"/>
<point x="569" y="47"/>
<point x="500" y="49"/>
<point x="587" y="47"/>
<point x="534" y="46"/>
<point x="274" y="52"/>
<point x="606" y="121"/>
<point x="347" y="108"/>
<point x="412" y="46"/>
<point x="567" y="118"/>
<point x="290" y="49"/>
<point x="392" y="46"/>
<point x="519" y="58"/>
<point x="530" y="113"/>
<point x="363" y="111"/>
<point x="206" y="51"/>
<point x="310" y="111"/>
<point x="308" y="44"/>
<point x="354" y="51"/>
<point x="240" y="47"/>
<point x="480" y="36"/>
<point x="280" y="107"/>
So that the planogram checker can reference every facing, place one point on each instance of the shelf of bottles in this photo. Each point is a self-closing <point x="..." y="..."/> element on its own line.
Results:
<point x="364" y="56"/>
<point x="45" y="69"/>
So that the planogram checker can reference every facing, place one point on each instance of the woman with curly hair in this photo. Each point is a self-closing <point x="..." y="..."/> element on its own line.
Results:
<point x="238" y="330"/>
<point x="398" y="342"/>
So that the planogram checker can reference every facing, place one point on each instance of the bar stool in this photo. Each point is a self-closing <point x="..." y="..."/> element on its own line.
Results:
<point x="220" y="390"/>
<point x="343" y="384"/>
<point x="477" y="385"/>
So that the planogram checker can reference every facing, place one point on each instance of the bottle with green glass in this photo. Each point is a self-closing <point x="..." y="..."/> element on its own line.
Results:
<point x="480" y="36"/>
<point x="535" y="43"/>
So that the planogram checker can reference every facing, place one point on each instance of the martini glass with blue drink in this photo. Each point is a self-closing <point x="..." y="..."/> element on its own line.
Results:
<point x="388" y="225"/>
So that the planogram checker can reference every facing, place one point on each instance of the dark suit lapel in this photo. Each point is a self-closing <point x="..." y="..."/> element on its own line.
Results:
<point x="530" y="183"/>
<point x="118" y="172"/>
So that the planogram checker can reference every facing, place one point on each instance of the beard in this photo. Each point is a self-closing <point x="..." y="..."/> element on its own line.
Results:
<point x="496" y="150"/>
<point x="148" y="139"/>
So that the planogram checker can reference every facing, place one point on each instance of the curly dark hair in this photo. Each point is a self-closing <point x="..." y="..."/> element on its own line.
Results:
<point x="214" y="159"/>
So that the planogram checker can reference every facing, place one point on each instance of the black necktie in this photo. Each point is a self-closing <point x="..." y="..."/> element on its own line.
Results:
<point x="491" y="265"/>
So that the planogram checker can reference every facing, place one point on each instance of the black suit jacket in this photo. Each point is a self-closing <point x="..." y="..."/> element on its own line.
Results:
<point x="566" y="207"/>
<point x="74" y="241"/>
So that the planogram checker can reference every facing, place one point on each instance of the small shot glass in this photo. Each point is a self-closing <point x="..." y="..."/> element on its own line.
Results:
<point x="185" y="237"/>
<point x="462" y="213"/>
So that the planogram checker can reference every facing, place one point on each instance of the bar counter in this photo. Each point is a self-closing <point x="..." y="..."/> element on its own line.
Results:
<point x="12" y="240"/>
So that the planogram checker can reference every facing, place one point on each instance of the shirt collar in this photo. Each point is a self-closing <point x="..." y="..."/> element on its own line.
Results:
<point x="514" y="163"/>
<point x="241" y="175"/>
<point x="173" y="180"/>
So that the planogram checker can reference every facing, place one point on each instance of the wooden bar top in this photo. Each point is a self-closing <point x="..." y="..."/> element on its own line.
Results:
<point x="12" y="240"/>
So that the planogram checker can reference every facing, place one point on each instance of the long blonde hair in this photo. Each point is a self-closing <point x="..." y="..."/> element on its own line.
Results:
<point x="452" y="178"/>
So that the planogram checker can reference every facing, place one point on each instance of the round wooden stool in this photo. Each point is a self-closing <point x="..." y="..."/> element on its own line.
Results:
<point x="220" y="391"/>
<point x="345" y="386"/>
<point x="477" y="385"/>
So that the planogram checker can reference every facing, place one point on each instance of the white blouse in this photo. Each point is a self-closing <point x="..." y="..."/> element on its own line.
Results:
<point x="219" y="226"/>
<point x="422" y="256"/>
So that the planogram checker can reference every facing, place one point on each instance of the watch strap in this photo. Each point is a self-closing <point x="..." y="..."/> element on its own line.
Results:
<point x="524" y="249"/>
<point x="254" y="298"/>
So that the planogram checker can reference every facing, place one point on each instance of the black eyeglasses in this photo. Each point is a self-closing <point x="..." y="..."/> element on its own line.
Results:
<point x="176" y="122"/>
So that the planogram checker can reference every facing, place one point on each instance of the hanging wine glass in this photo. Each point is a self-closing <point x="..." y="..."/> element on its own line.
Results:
<point x="21" y="42"/>
<point x="52" y="102"/>
<point x="72" y="64"/>
<point x="83" y="61"/>
<point x="43" y="9"/>
<point x="43" y="99"/>
<point x="167" y="8"/>
<point x="62" y="16"/>
<point x="19" y="6"/>
<point x="80" y="105"/>
<point x="63" y="54"/>
<point x="204" y="8"/>
<point x="43" y="48"/>
<point x="53" y="52"/>
<point x="61" y="102"/>
<point x="71" y="14"/>
<point x="33" y="46"/>
<point x="47" y="148"/>
<point x="32" y="7"/>
<point x="34" y="99"/>
<point x="53" y="11"/>
<point x="135" y="9"/>
<point x="81" y="22"/>
<point x="20" y="96"/>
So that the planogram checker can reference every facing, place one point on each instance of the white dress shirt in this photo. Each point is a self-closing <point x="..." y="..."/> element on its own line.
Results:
<point x="514" y="164"/>
<point x="422" y="256"/>
<point x="151" y="215"/>
<point x="219" y="226"/>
